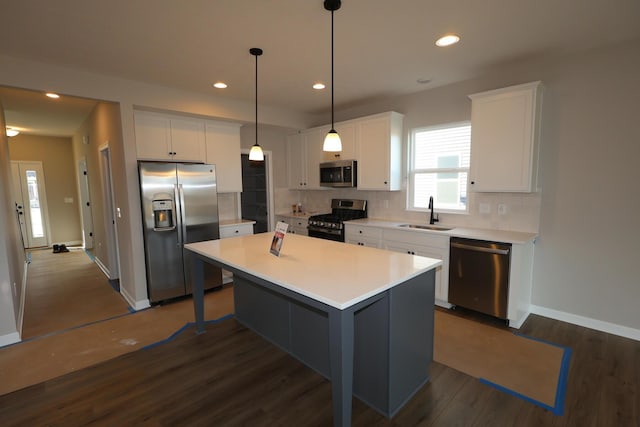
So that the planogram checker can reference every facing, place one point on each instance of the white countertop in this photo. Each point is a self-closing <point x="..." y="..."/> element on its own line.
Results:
<point x="334" y="273"/>
<point x="516" y="237"/>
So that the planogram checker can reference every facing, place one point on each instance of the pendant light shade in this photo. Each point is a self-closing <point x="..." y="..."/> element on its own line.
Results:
<point x="256" y="153"/>
<point x="332" y="140"/>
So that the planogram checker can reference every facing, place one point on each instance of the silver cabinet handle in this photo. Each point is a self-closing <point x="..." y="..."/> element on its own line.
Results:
<point x="480" y="249"/>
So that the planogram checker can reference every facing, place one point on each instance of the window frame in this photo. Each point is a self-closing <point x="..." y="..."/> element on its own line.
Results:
<point x="411" y="172"/>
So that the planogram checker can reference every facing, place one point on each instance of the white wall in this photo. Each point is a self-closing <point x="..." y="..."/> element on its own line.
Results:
<point x="12" y="260"/>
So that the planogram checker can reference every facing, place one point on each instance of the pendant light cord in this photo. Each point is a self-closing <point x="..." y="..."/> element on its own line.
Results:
<point x="332" y="121"/>
<point x="256" y="99"/>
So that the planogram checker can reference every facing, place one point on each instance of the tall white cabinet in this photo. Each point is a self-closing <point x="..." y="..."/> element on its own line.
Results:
<point x="222" y="142"/>
<point x="505" y="134"/>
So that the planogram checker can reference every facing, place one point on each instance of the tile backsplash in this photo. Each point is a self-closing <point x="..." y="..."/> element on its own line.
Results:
<point x="496" y="211"/>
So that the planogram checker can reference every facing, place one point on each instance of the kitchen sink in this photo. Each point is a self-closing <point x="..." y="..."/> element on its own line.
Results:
<point x="425" y="227"/>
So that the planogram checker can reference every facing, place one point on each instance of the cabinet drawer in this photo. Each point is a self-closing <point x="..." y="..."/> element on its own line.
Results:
<point x="422" y="238"/>
<point x="236" y="230"/>
<point x="358" y="231"/>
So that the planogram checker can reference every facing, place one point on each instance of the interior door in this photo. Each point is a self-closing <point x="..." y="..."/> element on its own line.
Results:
<point x="30" y="195"/>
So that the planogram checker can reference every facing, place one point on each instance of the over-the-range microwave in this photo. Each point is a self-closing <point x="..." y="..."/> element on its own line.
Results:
<point x="339" y="173"/>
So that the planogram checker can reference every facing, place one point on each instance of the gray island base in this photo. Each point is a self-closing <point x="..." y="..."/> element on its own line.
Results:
<point x="376" y="345"/>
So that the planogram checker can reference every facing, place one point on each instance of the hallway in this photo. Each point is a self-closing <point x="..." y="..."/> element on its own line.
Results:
<point x="66" y="290"/>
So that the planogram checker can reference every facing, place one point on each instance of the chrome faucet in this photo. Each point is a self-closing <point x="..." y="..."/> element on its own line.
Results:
<point x="433" y="218"/>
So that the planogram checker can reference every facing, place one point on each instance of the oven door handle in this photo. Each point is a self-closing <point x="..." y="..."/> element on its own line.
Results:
<point x="324" y="230"/>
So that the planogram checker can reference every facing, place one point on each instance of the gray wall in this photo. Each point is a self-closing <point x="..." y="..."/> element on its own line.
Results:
<point x="586" y="258"/>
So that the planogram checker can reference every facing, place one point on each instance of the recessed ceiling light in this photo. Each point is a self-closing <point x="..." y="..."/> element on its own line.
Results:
<point x="220" y="85"/>
<point x="319" y="86"/>
<point x="423" y="81"/>
<point x="52" y="95"/>
<point x="447" y="40"/>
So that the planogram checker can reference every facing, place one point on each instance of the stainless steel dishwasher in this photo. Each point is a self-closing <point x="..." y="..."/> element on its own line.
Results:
<point x="479" y="275"/>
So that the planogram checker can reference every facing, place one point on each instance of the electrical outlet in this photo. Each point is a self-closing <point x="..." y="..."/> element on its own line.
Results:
<point x="502" y="209"/>
<point x="485" y="208"/>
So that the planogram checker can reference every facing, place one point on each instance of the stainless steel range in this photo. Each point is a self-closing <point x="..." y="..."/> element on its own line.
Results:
<point x="331" y="226"/>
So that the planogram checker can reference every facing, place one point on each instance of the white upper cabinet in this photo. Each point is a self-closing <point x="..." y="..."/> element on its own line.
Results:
<point x="313" y="141"/>
<point x="379" y="151"/>
<point x="223" y="150"/>
<point x="347" y="132"/>
<point x="296" y="162"/>
<point x="374" y="141"/>
<point x="304" y="155"/>
<point x="505" y="133"/>
<point x="164" y="137"/>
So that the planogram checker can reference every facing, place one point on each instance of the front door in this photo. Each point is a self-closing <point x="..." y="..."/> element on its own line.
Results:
<point x="31" y="202"/>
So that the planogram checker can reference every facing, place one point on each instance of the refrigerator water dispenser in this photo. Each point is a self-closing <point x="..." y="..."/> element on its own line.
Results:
<point x="163" y="214"/>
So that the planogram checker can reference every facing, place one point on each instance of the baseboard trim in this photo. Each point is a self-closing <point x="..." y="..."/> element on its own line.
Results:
<point x="587" y="322"/>
<point x="102" y="267"/>
<point x="9" y="339"/>
<point x="136" y="305"/>
<point x="23" y="295"/>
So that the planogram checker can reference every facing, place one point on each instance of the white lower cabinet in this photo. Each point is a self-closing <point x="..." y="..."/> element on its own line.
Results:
<point x="424" y="244"/>
<point x="297" y="224"/>
<point x="362" y="236"/>
<point x="233" y="229"/>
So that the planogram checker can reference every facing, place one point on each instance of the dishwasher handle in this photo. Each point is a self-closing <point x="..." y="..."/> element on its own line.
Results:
<point x="480" y="249"/>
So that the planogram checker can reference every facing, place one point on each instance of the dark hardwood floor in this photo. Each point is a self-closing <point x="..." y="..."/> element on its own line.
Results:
<point x="232" y="377"/>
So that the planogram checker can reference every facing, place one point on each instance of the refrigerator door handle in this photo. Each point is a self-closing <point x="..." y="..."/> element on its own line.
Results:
<point x="182" y="234"/>
<point x="178" y="212"/>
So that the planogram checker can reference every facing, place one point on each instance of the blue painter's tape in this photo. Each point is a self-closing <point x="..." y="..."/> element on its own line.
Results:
<point x="186" y="326"/>
<point x="561" y="388"/>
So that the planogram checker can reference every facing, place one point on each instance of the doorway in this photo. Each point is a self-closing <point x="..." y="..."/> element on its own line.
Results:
<point x="257" y="192"/>
<point x="113" y="271"/>
<point x="30" y="199"/>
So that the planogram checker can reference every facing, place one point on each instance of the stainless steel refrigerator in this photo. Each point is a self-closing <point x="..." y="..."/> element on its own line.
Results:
<point x="179" y="205"/>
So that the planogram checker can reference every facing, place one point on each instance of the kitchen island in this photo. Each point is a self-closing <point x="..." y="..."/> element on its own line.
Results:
<point x="361" y="317"/>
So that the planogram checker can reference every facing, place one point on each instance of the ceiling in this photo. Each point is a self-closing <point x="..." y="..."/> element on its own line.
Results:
<point x="381" y="47"/>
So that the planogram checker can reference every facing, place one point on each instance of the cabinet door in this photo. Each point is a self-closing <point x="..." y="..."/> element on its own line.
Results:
<point x="314" y="140"/>
<point x="347" y="132"/>
<point x="296" y="162"/>
<point x="153" y="136"/>
<point x="187" y="140"/>
<point x="222" y="144"/>
<point x="504" y="132"/>
<point x="236" y="230"/>
<point x="440" y="291"/>
<point x="379" y="146"/>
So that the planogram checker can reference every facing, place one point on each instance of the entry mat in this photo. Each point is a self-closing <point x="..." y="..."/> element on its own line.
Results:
<point x="526" y="367"/>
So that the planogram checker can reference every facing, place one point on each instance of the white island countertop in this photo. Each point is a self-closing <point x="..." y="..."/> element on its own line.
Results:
<point x="334" y="273"/>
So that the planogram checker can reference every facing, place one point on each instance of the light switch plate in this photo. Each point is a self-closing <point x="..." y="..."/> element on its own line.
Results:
<point x="502" y="209"/>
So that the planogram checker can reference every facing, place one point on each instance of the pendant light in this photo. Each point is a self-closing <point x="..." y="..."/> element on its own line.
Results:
<point x="256" y="153"/>
<point x="332" y="140"/>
